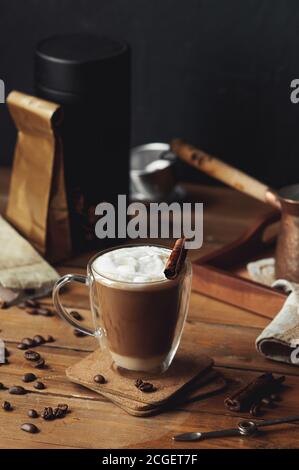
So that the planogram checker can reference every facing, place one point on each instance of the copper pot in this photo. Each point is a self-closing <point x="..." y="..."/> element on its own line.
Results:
<point x="285" y="200"/>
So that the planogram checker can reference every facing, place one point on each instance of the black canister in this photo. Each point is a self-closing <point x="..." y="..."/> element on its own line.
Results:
<point x="89" y="76"/>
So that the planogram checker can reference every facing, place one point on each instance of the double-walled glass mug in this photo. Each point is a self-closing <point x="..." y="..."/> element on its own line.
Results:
<point x="141" y="323"/>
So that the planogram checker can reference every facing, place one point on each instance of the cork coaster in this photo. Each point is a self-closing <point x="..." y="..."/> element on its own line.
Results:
<point x="187" y="366"/>
<point x="213" y="384"/>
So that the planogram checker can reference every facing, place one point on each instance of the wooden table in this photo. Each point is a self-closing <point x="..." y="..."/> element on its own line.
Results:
<point x="225" y="333"/>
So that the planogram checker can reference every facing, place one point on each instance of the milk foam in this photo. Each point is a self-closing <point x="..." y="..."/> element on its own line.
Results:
<point x="133" y="264"/>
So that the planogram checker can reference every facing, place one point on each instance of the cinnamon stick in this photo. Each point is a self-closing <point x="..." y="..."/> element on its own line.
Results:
<point x="176" y="259"/>
<point x="254" y="392"/>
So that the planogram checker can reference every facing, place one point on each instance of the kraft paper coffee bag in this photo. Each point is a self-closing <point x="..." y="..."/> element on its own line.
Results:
<point x="37" y="204"/>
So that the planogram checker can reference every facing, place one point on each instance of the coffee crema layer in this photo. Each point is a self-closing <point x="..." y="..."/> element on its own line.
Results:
<point x="133" y="264"/>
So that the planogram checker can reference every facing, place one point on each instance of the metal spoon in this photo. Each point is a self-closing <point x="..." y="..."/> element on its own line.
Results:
<point x="245" y="428"/>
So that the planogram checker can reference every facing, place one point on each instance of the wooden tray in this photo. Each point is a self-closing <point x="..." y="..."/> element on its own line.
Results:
<point x="220" y="274"/>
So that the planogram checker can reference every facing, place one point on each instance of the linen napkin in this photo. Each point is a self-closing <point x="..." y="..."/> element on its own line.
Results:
<point x="279" y="341"/>
<point x="21" y="267"/>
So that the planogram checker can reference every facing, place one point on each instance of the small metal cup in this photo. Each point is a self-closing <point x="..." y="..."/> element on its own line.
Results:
<point x="152" y="173"/>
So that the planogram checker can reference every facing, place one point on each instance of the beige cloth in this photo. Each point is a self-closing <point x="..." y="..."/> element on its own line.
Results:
<point x="279" y="341"/>
<point x="21" y="267"/>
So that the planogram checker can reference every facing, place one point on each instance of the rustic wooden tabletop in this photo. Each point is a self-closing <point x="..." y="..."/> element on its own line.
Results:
<point x="225" y="333"/>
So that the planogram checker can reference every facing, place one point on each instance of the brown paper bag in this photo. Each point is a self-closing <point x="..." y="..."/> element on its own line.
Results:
<point x="37" y="204"/>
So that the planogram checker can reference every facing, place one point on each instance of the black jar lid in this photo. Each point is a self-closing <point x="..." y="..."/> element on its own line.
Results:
<point x="78" y="64"/>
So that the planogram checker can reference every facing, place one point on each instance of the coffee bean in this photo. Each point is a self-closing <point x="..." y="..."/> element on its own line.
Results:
<point x="31" y="310"/>
<point x="40" y="364"/>
<point x="39" y="385"/>
<point x="138" y="382"/>
<point x="50" y="339"/>
<point x="29" y="427"/>
<point x="63" y="406"/>
<point x="79" y="334"/>
<point x="147" y="387"/>
<point x="76" y="315"/>
<point x="17" y="390"/>
<point x="32" y="414"/>
<point x="28" y="342"/>
<point x="32" y="355"/>
<point x="29" y="377"/>
<point x="22" y="346"/>
<point x="58" y="413"/>
<point x="6" y="406"/>
<point x="38" y="339"/>
<point x="48" y="413"/>
<point x="99" y="379"/>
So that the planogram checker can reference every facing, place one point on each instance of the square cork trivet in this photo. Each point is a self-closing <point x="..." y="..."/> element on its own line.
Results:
<point x="187" y="366"/>
<point x="205" y="378"/>
<point x="213" y="383"/>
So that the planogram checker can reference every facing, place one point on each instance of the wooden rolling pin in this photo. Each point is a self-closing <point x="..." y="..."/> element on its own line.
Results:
<point x="221" y="171"/>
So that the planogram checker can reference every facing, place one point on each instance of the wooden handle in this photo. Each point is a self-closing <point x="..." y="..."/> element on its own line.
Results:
<point x="214" y="167"/>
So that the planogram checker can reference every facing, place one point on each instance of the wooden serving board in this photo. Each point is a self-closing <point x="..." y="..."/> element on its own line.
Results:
<point x="217" y="274"/>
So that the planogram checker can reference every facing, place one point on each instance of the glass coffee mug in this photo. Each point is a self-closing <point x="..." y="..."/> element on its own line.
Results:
<point x="141" y="323"/>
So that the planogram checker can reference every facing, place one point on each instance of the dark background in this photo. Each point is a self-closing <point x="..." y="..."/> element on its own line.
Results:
<point x="216" y="72"/>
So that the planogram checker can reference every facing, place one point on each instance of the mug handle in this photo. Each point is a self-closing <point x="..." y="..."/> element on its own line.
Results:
<point x="64" y="314"/>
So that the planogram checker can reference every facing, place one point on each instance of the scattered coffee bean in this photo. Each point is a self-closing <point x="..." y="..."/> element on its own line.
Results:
<point x="32" y="414"/>
<point x="255" y="410"/>
<point x="22" y="346"/>
<point x="17" y="390"/>
<point x="138" y="382"/>
<point x="29" y="427"/>
<point x="28" y="342"/>
<point x="29" y="377"/>
<point x="31" y="310"/>
<point x="50" y="339"/>
<point x="79" y="333"/>
<point x="32" y="355"/>
<point x="38" y="339"/>
<point x="58" y="413"/>
<point x="76" y="315"/>
<point x="99" y="379"/>
<point x="40" y="364"/>
<point x="48" y="413"/>
<point x="145" y="387"/>
<point x="6" y="406"/>
<point x="39" y="385"/>
<point x="64" y="407"/>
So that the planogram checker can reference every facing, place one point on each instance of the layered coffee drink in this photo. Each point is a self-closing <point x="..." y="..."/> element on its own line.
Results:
<point x="141" y="312"/>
